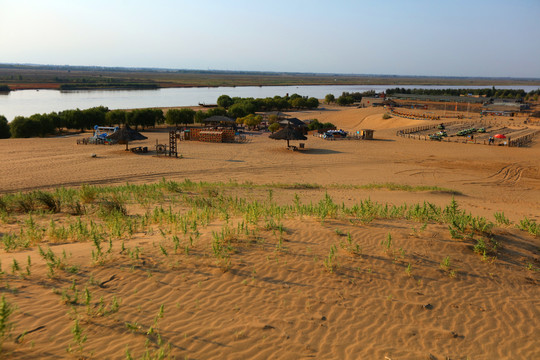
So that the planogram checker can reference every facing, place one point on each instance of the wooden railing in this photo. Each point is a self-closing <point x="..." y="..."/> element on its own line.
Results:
<point x="523" y="140"/>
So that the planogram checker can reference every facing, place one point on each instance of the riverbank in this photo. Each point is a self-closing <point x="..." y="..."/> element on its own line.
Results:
<point x="19" y="77"/>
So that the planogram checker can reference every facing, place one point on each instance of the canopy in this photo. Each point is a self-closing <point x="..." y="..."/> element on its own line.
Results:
<point x="500" y="136"/>
<point x="292" y="121"/>
<point x="125" y="135"/>
<point x="288" y="133"/>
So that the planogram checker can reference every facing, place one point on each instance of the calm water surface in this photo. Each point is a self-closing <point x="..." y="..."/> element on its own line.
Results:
<point x="29" y="102"/>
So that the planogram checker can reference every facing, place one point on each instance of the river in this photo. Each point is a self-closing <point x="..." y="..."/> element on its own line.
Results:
<point x="29" y="102"/>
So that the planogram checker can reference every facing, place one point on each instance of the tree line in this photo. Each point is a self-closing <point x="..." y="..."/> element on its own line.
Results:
<point x="239" y="107"/>
<point x="487" y="92"/>
<point x="40" y="125"/>
<point x="51" y="123"/>
<point x="347" y="98"/>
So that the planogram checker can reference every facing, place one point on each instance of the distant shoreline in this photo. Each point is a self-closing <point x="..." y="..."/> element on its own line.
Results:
<point x="38" y="77"/>
<point x="58" y="87"/>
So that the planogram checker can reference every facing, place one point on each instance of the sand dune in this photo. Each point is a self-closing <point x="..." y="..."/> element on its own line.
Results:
<point x="284" y="293"/>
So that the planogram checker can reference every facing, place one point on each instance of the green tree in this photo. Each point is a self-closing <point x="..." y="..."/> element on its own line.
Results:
<point x="172" y="117"/>
<point x="329" y="98"/>
<point x="273" y="119"/>
<point x="56" y="120"/>
<point x="115" y="117"/>
<point x="273" y="127"/>
<point x="250" y="120"/>
<point x="241" y="109"/>
<point x="187" y="116"/>
<point x="312" y="103"/>
<point x="219" y="111"/>
<point x="43" y="124"/>
<point x="345" y="100"/>
<point x="281" y="103"/>
<point x="143" y="117"/>
<point x="159" y="118"/>
<point x="4" y="128"/>
<point x="200" y="116"/>
<point x="94" y="116"/>
<point x="23" y="127"/>
<point x="225" y="101"/>
<point x="316" y="125"/>
<point x="180" y="116"/>
<point x="298" y="102"/>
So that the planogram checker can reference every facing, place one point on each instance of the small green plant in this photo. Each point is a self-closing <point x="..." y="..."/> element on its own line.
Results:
<point x="88" y="194"/>
<point x="112" y="207"/>
<point x="163" y="250"/>
<point x="501" y="219"/>
<point x="49" y="201"/>
<point x="445" y="263"/>
<point x="330" y="262"/>
<point x="530" y="226"/>
<point x="408" y="269"/>
<point x="28" y="266"/>
<point x="133" y="327"/>
<point x="350" y="246"/>
<point x="114" y="306"/>
<point x="387" y="243"/>
<point x="446" y="266"/>
<point x="15" y="267"/>
<point x="78" y="338"/>
<point x="416" y="232"/>
<point x="6" y="326"/>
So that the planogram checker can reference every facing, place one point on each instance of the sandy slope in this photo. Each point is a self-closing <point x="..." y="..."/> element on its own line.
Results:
<point x="283" y="304"/>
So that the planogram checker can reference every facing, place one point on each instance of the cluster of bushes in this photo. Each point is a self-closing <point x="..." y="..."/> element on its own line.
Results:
<point x="532" y="95"/>
<point x="5" y="132"/>
<point x="239" y="107"/>
<point x="347" y="98"/>
<point x="316" y="125"/>
<point x="4" y="88"/>
<point x="250" y="120"/>
<point x="487" y="92"/>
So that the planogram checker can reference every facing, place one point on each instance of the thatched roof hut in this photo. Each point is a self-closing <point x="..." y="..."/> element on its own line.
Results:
<point x="125" y="135"/>
<point x="294" y="122"/>
<point x="288" y="133"/>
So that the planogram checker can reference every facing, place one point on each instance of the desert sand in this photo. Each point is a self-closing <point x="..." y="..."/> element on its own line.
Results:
<point x="295" y="285"/>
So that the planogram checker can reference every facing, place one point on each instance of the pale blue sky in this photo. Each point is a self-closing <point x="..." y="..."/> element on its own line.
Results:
<point x="403" y="37"/>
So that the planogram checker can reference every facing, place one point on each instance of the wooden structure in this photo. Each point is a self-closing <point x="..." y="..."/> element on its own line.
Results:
<point x="367" y="134"/>
<point x="289" y="133"/>
<point x="173" y="142"/>
<point x="210" y="135"/>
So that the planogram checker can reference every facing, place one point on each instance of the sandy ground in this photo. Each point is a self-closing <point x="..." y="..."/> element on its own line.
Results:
<point x="490" y="178"/>
<point x="282" y="304"/>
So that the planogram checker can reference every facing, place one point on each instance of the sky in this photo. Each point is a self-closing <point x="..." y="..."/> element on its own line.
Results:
<point x="492" y="38"/>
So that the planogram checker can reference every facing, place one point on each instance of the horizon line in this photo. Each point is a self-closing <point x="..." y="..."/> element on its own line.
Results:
<point x="162" y="69"/>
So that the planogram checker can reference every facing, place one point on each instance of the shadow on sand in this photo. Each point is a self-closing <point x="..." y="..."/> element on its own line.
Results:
<point x="312" y="151"/>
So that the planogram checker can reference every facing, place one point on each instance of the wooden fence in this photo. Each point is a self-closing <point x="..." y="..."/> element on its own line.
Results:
<point x="516" y="142"/>
<point x="523" y="140"/>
